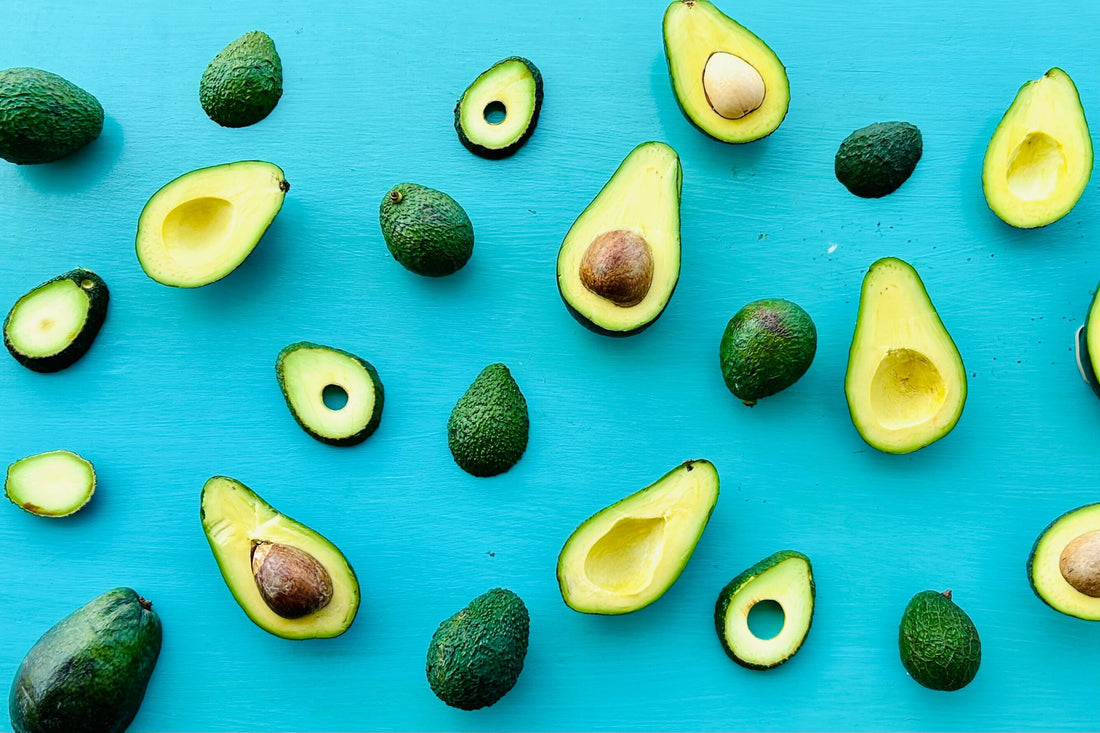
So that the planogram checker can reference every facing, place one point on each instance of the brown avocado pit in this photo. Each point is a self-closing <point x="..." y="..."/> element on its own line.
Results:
<point x="292" y="582"/>
<point x="618" y="266"/>
<point x="1080" y="563"/>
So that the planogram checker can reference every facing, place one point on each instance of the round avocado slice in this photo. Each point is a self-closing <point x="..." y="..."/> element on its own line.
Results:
<point x="1045" y="564"/>
<point x="510" y="89"/>
<point x="51" y="327"/>
<point x="54" y="484"/>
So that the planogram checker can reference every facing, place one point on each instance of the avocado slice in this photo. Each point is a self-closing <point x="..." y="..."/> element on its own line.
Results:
<point x="938" y="642"/>
<point x="290" y="581"/>
<point x="1039" y="160"/>
<point x="305" y="370"/>
<point x="54" y="484"/>
<point x="906" y="383"/>
<point x="512" y="87"/>
<point x="244" y="82"/>
<point x="52" y="326"/>
<point x="489" y="426"/>
<point x="728" y="82"/>
<point x="786" y="578"/>
<point x="626" y="556"/>
<point x="44" y="117"/>
<point x="620" y="260"/>
<point x="767" y="346"/>
<point x="198" y="228"/>
<point x="1064" y="565"/>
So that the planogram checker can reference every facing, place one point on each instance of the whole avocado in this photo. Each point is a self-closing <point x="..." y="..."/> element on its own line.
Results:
<point x="766" y="347"/>
<point x="426" y="230"/>
<point x="875" y="160"/>
<point x="43" y="117"/>
<point x="489" y="425"/>
<point x="244" y="82"/>
<point x="939" y="644"/>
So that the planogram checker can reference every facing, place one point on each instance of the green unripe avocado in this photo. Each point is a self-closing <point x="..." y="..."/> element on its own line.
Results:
<point x="875" y="160"/>
<point x="426" y="230"/>
<point x="766" y="347"/>
<point x="488" y="429"/>
<point x="939" y="644"/>
<point x="43" y="117"/>
<point x="244" y="82"/>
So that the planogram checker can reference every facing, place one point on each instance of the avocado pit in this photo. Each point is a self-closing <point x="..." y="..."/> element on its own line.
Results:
<point x="292" y="582"/>
<point x="618" y="266"/>
<point x="1080" y="563"/>
<point x="733" y="86"/>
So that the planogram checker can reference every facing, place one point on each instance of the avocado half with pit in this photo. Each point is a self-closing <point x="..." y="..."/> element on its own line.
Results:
<point x="52" y="326"/>
<point x="1087" y="346"/>
<point x="511" y="88"/>
<point x="1064" y="565"/>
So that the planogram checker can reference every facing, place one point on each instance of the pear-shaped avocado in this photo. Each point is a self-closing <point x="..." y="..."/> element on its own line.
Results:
<point x="44" y="117"/>
<point x="244" y="82"/>
<point x="426" y="230"/>
<point x="1064" y="565"/>
<point x="938" y="642"/>
<point x="488" y="428"/>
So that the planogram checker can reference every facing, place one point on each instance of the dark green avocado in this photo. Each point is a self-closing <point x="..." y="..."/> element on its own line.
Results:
<point x="52" y="326"/>
<point x="766" y="347"/>
<point x="512" y="88"/>
<point x="939" y="644"/>
<point x="244" y="82"/>
<point x="875" y="160"/>
<point x="426" y="230"/>
<point x="488" y="428"/>
<point x="43" y="117"/>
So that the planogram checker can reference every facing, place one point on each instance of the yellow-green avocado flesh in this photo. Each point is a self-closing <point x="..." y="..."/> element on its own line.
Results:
<point x="1044" y="564"/>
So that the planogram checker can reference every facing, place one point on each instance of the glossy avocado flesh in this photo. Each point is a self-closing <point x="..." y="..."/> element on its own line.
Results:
<point x="1040" y="157"/>
<point x="786" y="578"/>
<point x="51" y="327"/>
<point x="1066" y="548"/>
<point x="620" y="261"/>
<point x="44" y="117"/>
<point x="201" y="226"/>
<point x="242" y="528"/>
<point x="906" y="383"/>
<point x="626" y="556"/>
<point x="53" y="484"/>
<point x="938" y="642"/>
<point x="728" y="83"/>
<point x="512" y="88"/>
<point x="305" y="370"/>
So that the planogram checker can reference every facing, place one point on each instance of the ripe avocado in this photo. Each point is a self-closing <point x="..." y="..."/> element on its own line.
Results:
<point x="43" y="117"/>
<point x="512" y="87"/>
<point x="476" y="655"/>
<point x="426" y="230"/>
<point x="52" y="326"/>
<point x="54" y="484"/>
<point x="767" y="346"/>
<point x="875" y="160"/>
<point x="88" y="673"/>
<point x="1064" y="565"/>
<point x="244" y="82"/>
<point x="488" y="428"/>
<point x="939" y="644"/>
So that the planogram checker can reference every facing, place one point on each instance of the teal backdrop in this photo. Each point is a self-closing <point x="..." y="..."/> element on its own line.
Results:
<point x="181" y="386"/>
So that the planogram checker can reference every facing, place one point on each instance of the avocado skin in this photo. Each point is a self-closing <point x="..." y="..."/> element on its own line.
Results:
<point x="244" y="82"/>
<point x="509" y="150"/>
<point x="476" y="655"/>
<point x="44" y="117"/>
<point x="98" y="297"/>
<point x="489" y="425"/>
<point x="939" y="644"/>
<point x="766" y="347"/>
<point x="875" y="160"/>
<point x="594" y="328"/>
<point x="427" y="231"/>
<point x="88" y="673"/>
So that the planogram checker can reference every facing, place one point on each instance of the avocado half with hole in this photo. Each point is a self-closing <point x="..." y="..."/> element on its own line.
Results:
<point x="512" y="87"/>
<point x="620" y="261"/>
<point x="626" y="556"/>
<point x="54" y="484"/>
<point x="1064" y="565"/>
<point x="204" y="224"/>
<point x="52" y="326"/>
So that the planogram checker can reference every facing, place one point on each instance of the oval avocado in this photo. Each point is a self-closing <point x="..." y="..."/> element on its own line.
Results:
<point x="43" y="117"/>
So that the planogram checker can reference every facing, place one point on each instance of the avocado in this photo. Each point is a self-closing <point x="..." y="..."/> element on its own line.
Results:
<point x="43" y="117"/>
<point x="306" y="370"/>
<point x="88" y="673"/>
<point x="728" y="82"/>
<point x="1039" y="159"/>
<point x="785" y="578"/>
<point x="511" y="87"/>
<point x="1064" y="565"/>
<point x="906" y="383"/>
<point x="625" y="557"/>
<point x="939" y="644"/>
<point x="1087" y="346"/>
<point x="426" y="230"/>
<point x="200" y="227"/>
<point x="290" y="581"/>
<point x="244" y="82"/>
<point x="766" y="347"/>
<point x="620" y="260"/>
<point x="52" y="326"/>
<point x="875" y="160"/>
<point x="488" y="428"/>
<point x="54" y="484"/>
<point x="476" y="655"/>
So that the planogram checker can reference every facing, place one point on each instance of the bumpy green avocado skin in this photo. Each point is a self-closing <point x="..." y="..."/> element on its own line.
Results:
<point x="875" y="160"/>
<point x="426" y="230"/>
<point x="489" y="425"/>
<point x="476" y="656"/>
<point x="766" y="347"/>
<point x="98" y="297"/>
<point x="244" y="82"/>
<point x="88" y="673"/>
<point x="939" y="644"/>
<point x="43" y="117"/>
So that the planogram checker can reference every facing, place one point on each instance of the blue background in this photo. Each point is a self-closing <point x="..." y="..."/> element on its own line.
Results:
<point x="180" y="384"/>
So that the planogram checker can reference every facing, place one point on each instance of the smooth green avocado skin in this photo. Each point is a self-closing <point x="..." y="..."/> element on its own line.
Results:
<point x="44" y="117"/>
<point x="244" y="82"/>
<point x="766" y="347"/>
<point x="98" y="297"/>
<point x="498" y="153"/>
<point x="875" y="160"/>
<point x="489" y="425"/>
<point x="939" y="644"/>
<point x="476" y="656"/>
<point x="426" y="230"/>
<point x="88" y="673"/>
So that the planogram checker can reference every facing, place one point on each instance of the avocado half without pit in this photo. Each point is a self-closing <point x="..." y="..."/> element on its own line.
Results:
<point x="497" y="113"/>
<point x="52" y="326"/>
<point x="1064" y="565"/>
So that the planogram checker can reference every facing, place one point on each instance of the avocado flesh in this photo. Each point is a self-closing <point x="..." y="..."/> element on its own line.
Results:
<point x="643" y="196"/>
<point x="694" y="30"/>
<point x="626" y="556"/>
<point x="234" y="518"/>
<point x="51" y="327"/>
<point x="53" y="484"/>
<point x="1043" y="569"/>
<point x="201" y="226"/>
<point x="514" y="83"/>
<point x="906" y="383"/>
<point x="1088" y="346"/>
<point x="1039" y="160"/>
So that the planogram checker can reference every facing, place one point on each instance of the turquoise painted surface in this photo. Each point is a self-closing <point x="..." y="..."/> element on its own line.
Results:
<point x="180" y="385"/>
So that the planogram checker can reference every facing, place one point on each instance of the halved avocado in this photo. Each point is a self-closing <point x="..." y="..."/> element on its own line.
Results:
<point x="52" y="326"/>
<point x="1064" y="565"/>
<point x="1039" y="160"/>
<point x="512" y="87"/>
<point x="620" y="261"/>
<point x="786" y="578"/>
<point x="728" y="82"/>
<point x="626" y="556"/>
<point x="906" y="383"/>
<point x="291" y="581"/>
<point x="204" y="224"/>
<point x="1087" y="343"/>
<point x="54" y="484"/>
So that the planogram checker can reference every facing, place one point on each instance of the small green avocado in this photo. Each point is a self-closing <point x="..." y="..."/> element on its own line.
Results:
<point x="939" y="644"/>
<point x="767" y="346"/>
<point x="244" y="82"/>
<point x="488" y="428"/>
<point x="875" y="160"/>
<point x="426" y="230"/>
<point x="43" y="117"/>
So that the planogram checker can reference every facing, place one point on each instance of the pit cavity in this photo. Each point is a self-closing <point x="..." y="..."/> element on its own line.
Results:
<point x="495" y="112"/>
<point x="198" y="224"/>
<point x="907" y="390"/>
<point x="766" y="619"/>
<point x="335" y="397"/>
<point x="624" y="560"/>
<point x="1037" y="164"/>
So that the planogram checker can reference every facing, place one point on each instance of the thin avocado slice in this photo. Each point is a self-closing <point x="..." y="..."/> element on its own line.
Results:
<point x="54" y="484"/>
<point x="512" y="87"/>
<point x="290" y="581"/>
<point x="620" y="261"/>
<point x="204" y="224"/>
<point x="1064" y="565"/>
<point x="906" y="383"/>
<point x="728" y="82"/>
<point x="786" y="578"/>
<point x="626" y="556"/>
<point x="305" y="370"/>
<point x="1039" y="160"/>
<point x="52" y="326"/>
